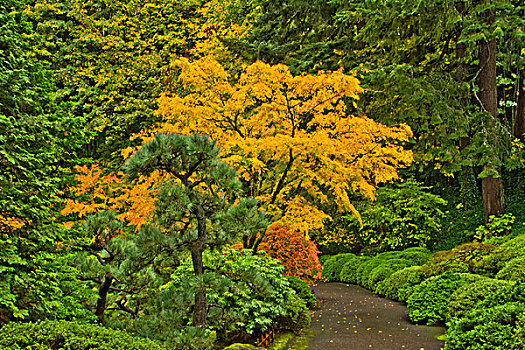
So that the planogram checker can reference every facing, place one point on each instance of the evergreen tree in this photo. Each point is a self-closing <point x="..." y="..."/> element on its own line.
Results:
<point x="37" y="139"/>
<point x="197" y="209"/>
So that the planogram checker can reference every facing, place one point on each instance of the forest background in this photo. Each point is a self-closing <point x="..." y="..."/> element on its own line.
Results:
<point x="353" y="126"/>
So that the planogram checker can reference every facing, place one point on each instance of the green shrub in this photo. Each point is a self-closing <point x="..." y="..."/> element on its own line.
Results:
<point x="323" y="258"/>
<point x="429" y="300"/>
<point x="295" y="317"/>
<point x="514" y="270"/>
<point x="513" y="292"/>
<point x="303" y="291"/>
<point x="468" y="257"/>
<point x="333" y="266"/>
<point x="496" y="227"/>
<point x="363" y="271"/>
<point x="246" y="293"/>
<point x="467" y="297"/>
<point x="349" y="272"/>
<point x="497" y="328"/>
<point x="65" y="335"/>
<point x="515" y="245"/>
<point x="400" y="283"/>
<point x="418" y="256"/>
<point x="378" y="275"/>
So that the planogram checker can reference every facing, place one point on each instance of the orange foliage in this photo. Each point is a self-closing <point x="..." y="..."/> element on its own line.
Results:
<point x="297" y="253"/>
<point x="134" y="202"/>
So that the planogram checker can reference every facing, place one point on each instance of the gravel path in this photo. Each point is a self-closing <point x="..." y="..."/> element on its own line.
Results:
<point x="349" y="317"/>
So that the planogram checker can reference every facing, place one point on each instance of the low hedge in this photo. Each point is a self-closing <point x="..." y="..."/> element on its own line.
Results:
<point x="469" y="296"/>
<point x="66" y="335"/>
<point x="377" y="277"/>
<point x="333" y="266"/>
<point x="429" y="300"/>
<point x="349" y="272"/>
<point x="399" y="285"/>
<point x="499" y="328"/>
<point x="472" y="258"/>
<point x="514" y="270"/>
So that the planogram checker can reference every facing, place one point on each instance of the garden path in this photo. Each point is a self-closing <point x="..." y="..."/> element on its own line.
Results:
<point x="349" y="317"/>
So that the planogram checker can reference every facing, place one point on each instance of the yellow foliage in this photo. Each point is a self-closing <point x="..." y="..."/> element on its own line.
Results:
<point x="288" y="136"/>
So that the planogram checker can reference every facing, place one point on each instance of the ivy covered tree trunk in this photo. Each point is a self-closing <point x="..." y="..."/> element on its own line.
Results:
<point x="491" y="186"/>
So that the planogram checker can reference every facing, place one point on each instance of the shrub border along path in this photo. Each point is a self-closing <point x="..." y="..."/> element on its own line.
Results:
<point x="349" y="317"/>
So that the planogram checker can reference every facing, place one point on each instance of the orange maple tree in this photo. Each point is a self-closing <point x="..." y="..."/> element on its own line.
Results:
<point x="97" y="191"/>
<point x="297" y="253"/>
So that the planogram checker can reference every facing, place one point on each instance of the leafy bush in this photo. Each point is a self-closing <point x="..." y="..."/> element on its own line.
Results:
<point x="467" y="297"/>
<point x="378" y="275"/>
<point x="297" y="253"/>
<point x="515" y="245"/>
<point x="514" y="270"/>
<point x="363" y="271"/>
<point x="513" y="292"/>
<point x="333" y="266"/>
<point x="399" y="284"/>
<point x="429" y="300"/>
<point x="496" y="227"/>
<point x="295" y="317"/>
<point x="417" y="255"/>
<point x="247" y="294"/>
<point x="349" y="272"/>
<point x="397" y="259"/>
<point x="62" y="335"/>
<point x="404" y="214"/>
<point x="303" y="291"/>
<point x="497" y="328"/>
<point x="468" y="257"/>
<point x="323" y="258"/>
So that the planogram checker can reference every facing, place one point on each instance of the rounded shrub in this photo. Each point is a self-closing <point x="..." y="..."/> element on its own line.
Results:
<point x="514" y="270"/>
<point x="303" y="291"/>
<point x="333" y="266"/>
<point x="349" y="272"/>
<point x="467" y="297"/>
<point x="497" y="328"/>
<point x="418" y="256"/>
<point x="61" y="335"/>
<point x="378" y="275"/>
<point x="400" y="283"/>
<point x="468" y="258"/>
<point x="429" y="300"/>
<point x="512" y="292"/>
<point x="515" y="245"/>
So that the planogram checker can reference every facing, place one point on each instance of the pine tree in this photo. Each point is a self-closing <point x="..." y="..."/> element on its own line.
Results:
<point x="197" y="208"/>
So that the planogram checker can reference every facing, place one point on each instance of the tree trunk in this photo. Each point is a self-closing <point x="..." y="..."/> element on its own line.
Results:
<point x="200" y="308"/>
<point x="102" y="297"/>
<point x="491" y="186"/>
<point x="519" y="120"/>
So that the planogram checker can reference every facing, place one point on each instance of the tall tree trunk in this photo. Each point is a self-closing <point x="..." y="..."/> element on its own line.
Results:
<point x="491" y="186"/>
<point x="200" y="308"/>
<point x="519" y="120"/>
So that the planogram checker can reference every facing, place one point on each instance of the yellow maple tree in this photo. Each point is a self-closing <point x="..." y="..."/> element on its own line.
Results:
<point x="289" y="136"/>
